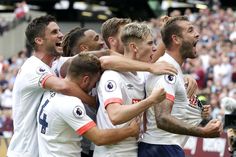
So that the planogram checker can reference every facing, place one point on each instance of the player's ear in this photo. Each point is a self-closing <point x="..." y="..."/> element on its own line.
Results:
<point x="83" y="47"/>
<point x="38" y="40"/>
<point x="112" y="41"/>
<point x="176" y="39"/>
<point x="86" y="80"/>
<point x="133" y="47"/>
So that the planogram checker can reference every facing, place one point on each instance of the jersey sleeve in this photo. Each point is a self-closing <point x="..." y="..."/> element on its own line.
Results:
<point x="40" y="76"/>
<point x="74" y="114"/>
<point x="169" y="83"/>
<point x="109" y="89"/>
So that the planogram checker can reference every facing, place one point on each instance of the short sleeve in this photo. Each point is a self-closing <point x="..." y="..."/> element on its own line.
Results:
<point x="109" y="88"/>
<point x="169" y="83"/>
<point x="74" y="114"/>
<point x="40" y="75"/>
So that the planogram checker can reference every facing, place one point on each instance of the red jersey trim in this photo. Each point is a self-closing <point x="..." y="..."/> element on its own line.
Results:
<point x="113" y="100"/>
<point x="45" y="79"/>
<point x="170" y="97"/>
<point x="85" y="128"/>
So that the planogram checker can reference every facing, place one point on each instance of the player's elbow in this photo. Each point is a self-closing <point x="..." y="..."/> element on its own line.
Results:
<point x="115" y="120"/>
<point x="101" y="140"/>
<point x="98" y="142"/>
<point x="161" y="121"/>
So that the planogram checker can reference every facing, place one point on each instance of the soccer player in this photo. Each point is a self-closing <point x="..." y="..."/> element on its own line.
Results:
<point x="169" y="122"/>
<point x="111" y="31"/>
<point x="83" y="40"/>
<point x="33" y="79"/>
<point x="111" y="35"/>
<point x="121" y="94"/>
<point x="80" y="40"/>
<point x="62" y="119"/>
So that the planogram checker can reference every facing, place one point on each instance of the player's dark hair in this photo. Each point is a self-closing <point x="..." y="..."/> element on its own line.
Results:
<point x="36" y="28"/>
<point x="111" y="28"/>
<point x="84" y="64"/>
<point x="170" y="28"/>
<point x="70" y="41"/>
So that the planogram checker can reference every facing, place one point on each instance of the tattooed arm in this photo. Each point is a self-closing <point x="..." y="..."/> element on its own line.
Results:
<point x="167" y="122"/>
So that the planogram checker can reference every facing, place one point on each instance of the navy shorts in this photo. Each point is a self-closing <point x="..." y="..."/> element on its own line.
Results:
<point x="154" y="150"/>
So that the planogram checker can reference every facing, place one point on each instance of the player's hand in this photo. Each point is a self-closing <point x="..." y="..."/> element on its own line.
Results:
<point x="134" y="125"/>
<point x="164" y="19"/>
<point x="157" y="95"/>
<point x="206" y="111"/>
<point x="191" y="86"/>
<point x="162" y="67"/>
<point x="213" y="129"/>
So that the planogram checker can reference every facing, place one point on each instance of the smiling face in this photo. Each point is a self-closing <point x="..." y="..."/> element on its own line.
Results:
<point x="93" y="40"/>
<point x="52" y="39"/>
<point x="189" y="40"/>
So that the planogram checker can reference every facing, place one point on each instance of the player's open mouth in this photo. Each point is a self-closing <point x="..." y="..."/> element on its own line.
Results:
<point x="58" y="44"/>
<point x="195" y="43"/>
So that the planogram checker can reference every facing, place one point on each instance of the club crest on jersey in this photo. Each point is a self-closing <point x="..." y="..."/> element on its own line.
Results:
<point x="170" y="79"/>
<point x="78" y="112"/>
<point x="110" y="86"/>
<point x="129" y="86"/>
<point x="134" y="101"/>
<point x="41" y="70"/>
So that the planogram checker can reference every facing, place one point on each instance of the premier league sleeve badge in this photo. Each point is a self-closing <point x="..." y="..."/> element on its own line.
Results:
<point x="171" y="79"/>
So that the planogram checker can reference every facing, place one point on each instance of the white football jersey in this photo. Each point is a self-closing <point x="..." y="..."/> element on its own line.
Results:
<point x="57" y="64"/>
<point x="124" y="88"/>
<point x="27" y="93"/>
<point x="61" y="121"/>
<point x="175" y="88"/>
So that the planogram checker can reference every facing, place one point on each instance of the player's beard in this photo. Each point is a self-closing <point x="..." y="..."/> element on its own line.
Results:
<point x="186" y="50"/>
<point x="53" y="51"/>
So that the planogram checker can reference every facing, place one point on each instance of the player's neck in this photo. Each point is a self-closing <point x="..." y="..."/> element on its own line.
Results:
<point x="176" y="55"/>
<point x="46" y="58"/>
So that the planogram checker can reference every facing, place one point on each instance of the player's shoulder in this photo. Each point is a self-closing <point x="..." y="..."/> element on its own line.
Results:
<point x="110" y="74"/>
<point x="63" y="103"/>
<point x="67" y="98"/>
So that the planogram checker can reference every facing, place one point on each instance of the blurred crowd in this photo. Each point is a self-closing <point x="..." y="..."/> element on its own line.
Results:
<point x="20" y="14"/>
<point x="214" y="69"/>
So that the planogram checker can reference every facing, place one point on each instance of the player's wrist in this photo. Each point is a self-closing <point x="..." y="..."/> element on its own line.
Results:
<point x="151" y="68"/>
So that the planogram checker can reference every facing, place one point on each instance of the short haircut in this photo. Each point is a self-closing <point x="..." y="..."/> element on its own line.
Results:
<point x="71" y="39"/>
<point x="135" y="32"/>
<point x="170" y="28"/>
<point x="111" y="27"/>
<point x="36" y="28"/>
<point x="84" y="64"/>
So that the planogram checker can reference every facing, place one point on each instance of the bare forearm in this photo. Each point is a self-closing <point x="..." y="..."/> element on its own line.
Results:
<point x="74" y="90"/>
<point x="113" y="136"/>
<point x="127" y="112"/>
<point x="98" y="53"/>
<point x="120" y="63"/>
<point x="174" y="125"/>
<point x="85" y="98"/>
<point x="167" y="122"/>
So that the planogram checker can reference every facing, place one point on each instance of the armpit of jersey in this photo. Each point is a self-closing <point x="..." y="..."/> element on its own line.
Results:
<point x="112" y="100"/>
<point x="85" y="128"/>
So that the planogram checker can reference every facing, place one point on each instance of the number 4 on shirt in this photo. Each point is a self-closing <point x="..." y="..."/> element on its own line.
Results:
<point x="42" y="120"/>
